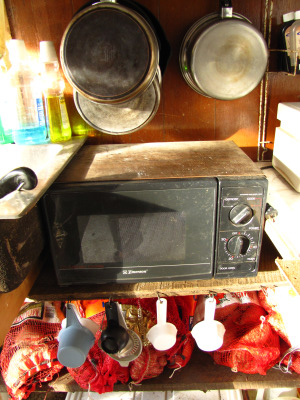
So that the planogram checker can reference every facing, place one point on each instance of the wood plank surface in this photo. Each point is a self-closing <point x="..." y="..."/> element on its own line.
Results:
<point x="11" y="302"/>
<point x="159" y="160"/>
<point x="46" y="287"/>
<point x="290" y="271"/>
<point x="201" y="373"/>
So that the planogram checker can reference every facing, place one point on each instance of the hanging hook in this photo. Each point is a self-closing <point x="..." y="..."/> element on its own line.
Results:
<point x="159" y="298"/>
<point x="226" y="290"/>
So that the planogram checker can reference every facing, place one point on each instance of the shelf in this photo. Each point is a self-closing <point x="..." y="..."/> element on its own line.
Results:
<point x="11" y="302"/>
<point x="201" y="373"/>
<point x="283" y="230"/>
<point x="46" y="287"/>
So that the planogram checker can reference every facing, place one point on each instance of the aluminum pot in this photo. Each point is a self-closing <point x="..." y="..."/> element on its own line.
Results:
<point x="121" y="118"/>
<point x="223" y="56"/>
<point x="109" y="52"/>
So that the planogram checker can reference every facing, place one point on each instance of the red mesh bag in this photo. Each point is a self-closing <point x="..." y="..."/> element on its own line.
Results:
<point x="148" y="365"/>
<point x="270" y="298"/>
<point x="29" y="354"/>
<point x="151" y="363"/>
<point x="100" y="372"/>
<point x="250" y="345"/>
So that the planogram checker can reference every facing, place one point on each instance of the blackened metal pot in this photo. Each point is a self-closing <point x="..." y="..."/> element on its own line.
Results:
<point x="109" y="52"/>
<point x="223" y="56"/>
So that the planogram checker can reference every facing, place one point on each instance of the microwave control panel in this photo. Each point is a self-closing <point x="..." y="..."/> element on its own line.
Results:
<point x="240" y="227"/>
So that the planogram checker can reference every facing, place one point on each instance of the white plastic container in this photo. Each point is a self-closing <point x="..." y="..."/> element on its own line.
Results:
<point x="287" y="143"/>
<point x="295" y="43"/>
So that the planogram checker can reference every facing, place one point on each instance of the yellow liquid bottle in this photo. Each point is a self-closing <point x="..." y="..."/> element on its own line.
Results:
<point x="57" y="119"/>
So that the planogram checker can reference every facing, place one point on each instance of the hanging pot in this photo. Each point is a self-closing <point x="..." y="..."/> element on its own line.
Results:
<point x="121" y="118"/>
<point x="223" y="55"/>
<point x="110" y="52"/>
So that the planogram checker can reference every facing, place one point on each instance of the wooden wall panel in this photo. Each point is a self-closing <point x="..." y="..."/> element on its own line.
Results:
<point x="183" y="114"/>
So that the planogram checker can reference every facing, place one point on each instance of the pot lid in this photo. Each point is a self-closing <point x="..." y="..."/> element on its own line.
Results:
<point x="121" y="118"/>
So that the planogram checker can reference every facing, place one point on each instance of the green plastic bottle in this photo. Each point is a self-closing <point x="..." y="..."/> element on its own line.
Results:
<point x="6" y="113"/>
<point x="57" y="119"/>
<point x="5" y="126"/>
<point x="5" y="135"/>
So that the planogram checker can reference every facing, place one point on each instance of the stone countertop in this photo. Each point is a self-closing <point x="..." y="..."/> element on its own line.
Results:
<point x="46" y="160"/>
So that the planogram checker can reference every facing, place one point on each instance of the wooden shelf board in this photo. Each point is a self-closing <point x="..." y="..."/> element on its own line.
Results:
<point x="11" y="302"/>
<point x="290" y="270"/>
<point x="46" y="287"/>
<point x="201" y="373"/>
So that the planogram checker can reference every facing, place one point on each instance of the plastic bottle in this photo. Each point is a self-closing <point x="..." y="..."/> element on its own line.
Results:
<point x="28" y="125"/>
<point x="5" y="111"/>
<point x="5" y="135"/>
<point x="285" y="42"/>
<point x="57" y="119"/>
<point x="295" y="44"/>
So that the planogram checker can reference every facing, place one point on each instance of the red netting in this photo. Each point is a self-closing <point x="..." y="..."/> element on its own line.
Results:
<point x="267" y="299"/>
<point x="250" y="345"/>
<point x="179" y="312"/>
<point x="29" y="354"/>
<point x="148" y="365"/>
<point x="100" y="372"/>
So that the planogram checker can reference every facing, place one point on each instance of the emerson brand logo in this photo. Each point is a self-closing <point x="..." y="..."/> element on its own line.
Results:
<point x="132" y="271"/>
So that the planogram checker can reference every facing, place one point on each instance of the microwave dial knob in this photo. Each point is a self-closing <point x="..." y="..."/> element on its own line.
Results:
<point x="241" y="214"/>
<point x="238" y="245"/>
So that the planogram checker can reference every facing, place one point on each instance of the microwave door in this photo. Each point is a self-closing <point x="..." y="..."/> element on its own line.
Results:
<point x="133" y="232"/>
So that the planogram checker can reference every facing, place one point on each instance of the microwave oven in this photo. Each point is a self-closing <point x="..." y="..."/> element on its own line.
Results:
<point x="156" y="212"/>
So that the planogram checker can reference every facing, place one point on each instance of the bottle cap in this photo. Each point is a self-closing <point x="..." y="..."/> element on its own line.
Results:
<point x="17" y="50"/>
<point x="297" y="14"/>
<point x="288" y="16"/>
<point x="47" y="52"/>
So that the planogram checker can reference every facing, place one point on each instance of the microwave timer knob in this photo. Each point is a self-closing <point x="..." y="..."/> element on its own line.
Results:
<point x="238" y="245"/>
<point x="241" y="214"/>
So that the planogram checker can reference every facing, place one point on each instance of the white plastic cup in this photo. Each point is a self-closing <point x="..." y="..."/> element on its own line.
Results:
<point x="209" y="333"/>
<point x="162" y="335"/>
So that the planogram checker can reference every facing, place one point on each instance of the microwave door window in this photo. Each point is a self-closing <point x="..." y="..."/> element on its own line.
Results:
<point x="98" y="244"/>
<point x="106" y="232"/>
<point x="133" y="240"/>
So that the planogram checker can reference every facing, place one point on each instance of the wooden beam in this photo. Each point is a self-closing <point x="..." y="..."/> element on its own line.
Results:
<point x="11" y="302"/>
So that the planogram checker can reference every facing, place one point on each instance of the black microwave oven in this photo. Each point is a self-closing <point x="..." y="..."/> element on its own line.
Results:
<point x="156" y="212"/>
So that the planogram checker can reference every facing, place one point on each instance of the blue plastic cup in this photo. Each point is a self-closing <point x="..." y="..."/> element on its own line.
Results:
<point x="74" y="345"/>
<point x="75" y="340"/>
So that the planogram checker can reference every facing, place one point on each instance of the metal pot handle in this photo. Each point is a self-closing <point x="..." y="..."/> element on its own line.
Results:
<point x="17" y="179"/>
<point x="226" y="9"/>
